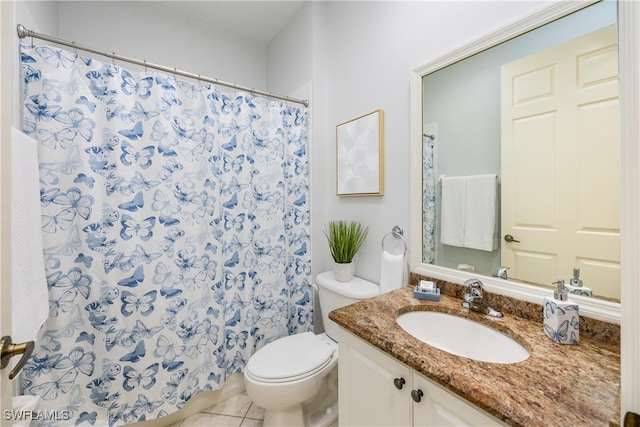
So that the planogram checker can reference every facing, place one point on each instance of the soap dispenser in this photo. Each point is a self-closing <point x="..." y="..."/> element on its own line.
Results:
<point x="576" y="281"/>
<point x="576" y="286"/>
<point x="561" y="317"/>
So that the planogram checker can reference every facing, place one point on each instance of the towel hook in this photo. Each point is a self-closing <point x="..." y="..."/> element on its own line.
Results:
<point x="398" y="233"/>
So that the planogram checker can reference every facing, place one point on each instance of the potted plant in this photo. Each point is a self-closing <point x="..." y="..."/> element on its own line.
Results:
<point x="345" y="239"/>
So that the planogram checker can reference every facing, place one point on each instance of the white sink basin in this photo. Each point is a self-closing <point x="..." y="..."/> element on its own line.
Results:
<point x="462" y="337"/>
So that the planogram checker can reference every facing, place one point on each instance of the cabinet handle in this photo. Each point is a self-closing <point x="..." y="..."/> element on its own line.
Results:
<point x="416" y="395"/>
<point x="399" y="383"/>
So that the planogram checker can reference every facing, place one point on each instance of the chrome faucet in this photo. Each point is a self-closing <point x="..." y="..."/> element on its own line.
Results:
<point x="501" y="273"/>
<point x="474" y="300"/>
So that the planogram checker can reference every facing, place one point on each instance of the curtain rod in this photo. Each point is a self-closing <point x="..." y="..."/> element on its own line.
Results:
<point x="24" y="32"/>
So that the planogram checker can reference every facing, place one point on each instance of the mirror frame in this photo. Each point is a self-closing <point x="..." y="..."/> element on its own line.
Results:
<point x="591" y="307"/>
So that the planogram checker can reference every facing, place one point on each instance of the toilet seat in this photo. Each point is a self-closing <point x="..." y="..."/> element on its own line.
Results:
<point x="290" y="358"/>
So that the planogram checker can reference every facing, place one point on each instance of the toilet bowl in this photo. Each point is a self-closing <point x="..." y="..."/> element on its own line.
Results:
<point x="288" y="372"/>
<point x="295" y="378"/>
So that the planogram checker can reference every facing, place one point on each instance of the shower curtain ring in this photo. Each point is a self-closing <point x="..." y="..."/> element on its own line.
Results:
<point x="145" y="66"/>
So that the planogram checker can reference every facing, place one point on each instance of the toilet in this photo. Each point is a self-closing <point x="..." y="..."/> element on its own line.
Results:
<point x="295" y="378"/>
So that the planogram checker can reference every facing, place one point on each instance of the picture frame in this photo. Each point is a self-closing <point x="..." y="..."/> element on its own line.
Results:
<point x="360" y="156"/>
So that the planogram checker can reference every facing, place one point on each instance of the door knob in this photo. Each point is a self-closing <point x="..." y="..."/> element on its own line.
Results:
<point x="631" y="419"/>
<point x="8" y="350"/>
<point x="509" y="239"/>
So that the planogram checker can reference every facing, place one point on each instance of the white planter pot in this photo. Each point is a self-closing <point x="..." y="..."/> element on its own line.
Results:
<point x="343" y="272"/>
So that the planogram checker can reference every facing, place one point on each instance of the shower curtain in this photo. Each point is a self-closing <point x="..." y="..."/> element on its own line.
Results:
<point x="175" y="222"/>
<point x="428" y="201"/>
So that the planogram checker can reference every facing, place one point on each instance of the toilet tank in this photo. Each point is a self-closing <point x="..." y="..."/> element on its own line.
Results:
<point x="334" y="294"/>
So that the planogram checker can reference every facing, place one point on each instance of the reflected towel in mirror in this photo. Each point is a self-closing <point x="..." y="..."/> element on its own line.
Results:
<point x="453" y="210"/>
<point x="469" y="212"/>
<point x="480" y="213"/>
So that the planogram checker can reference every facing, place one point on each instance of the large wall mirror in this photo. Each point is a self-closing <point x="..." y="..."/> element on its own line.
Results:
<point x="535" y="106"/>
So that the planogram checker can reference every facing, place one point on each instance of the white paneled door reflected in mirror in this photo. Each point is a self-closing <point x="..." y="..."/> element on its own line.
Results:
<point x="540" y="112"/>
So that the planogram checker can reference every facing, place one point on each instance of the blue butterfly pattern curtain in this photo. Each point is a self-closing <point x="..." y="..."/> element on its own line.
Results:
<point x="428" y="201"/>
<point x="175" y="222"/>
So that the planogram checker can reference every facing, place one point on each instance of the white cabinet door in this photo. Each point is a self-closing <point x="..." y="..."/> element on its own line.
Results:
<point x="366" y="387"/>
<point x="440" y="407"/>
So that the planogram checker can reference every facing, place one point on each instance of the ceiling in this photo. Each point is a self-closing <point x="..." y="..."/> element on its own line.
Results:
<point x="257" y="21"/>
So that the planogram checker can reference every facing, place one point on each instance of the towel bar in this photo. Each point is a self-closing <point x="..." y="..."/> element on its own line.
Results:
<point x="398" y="234"/>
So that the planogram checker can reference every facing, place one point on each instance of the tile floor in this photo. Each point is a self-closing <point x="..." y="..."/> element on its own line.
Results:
<point x="237" y="411"/>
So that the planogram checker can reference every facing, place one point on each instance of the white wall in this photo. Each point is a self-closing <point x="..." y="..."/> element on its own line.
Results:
<point x="40" y="16"/>
<point x="160" y="35"/>
<point x="290" y="54"/>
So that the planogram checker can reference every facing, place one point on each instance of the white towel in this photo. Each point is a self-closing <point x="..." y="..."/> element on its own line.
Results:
<point x="30" y="296"/>
<point x="25" y="403"/>
<point x="452" y="211"/>
<point x="391" y="271"/>
<point x="480" y="213"/>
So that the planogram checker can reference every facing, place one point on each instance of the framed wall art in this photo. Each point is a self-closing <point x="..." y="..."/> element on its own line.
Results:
<point x="359" y="156"/>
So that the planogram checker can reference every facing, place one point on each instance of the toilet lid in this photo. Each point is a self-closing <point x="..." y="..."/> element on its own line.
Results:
<point x="291" y="356"/>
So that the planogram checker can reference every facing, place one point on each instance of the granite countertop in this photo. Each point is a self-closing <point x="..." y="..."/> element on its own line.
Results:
<point x="558" y="385"/>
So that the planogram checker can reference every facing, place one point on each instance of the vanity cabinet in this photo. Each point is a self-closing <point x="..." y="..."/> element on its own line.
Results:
<point x="375" y="389"/>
